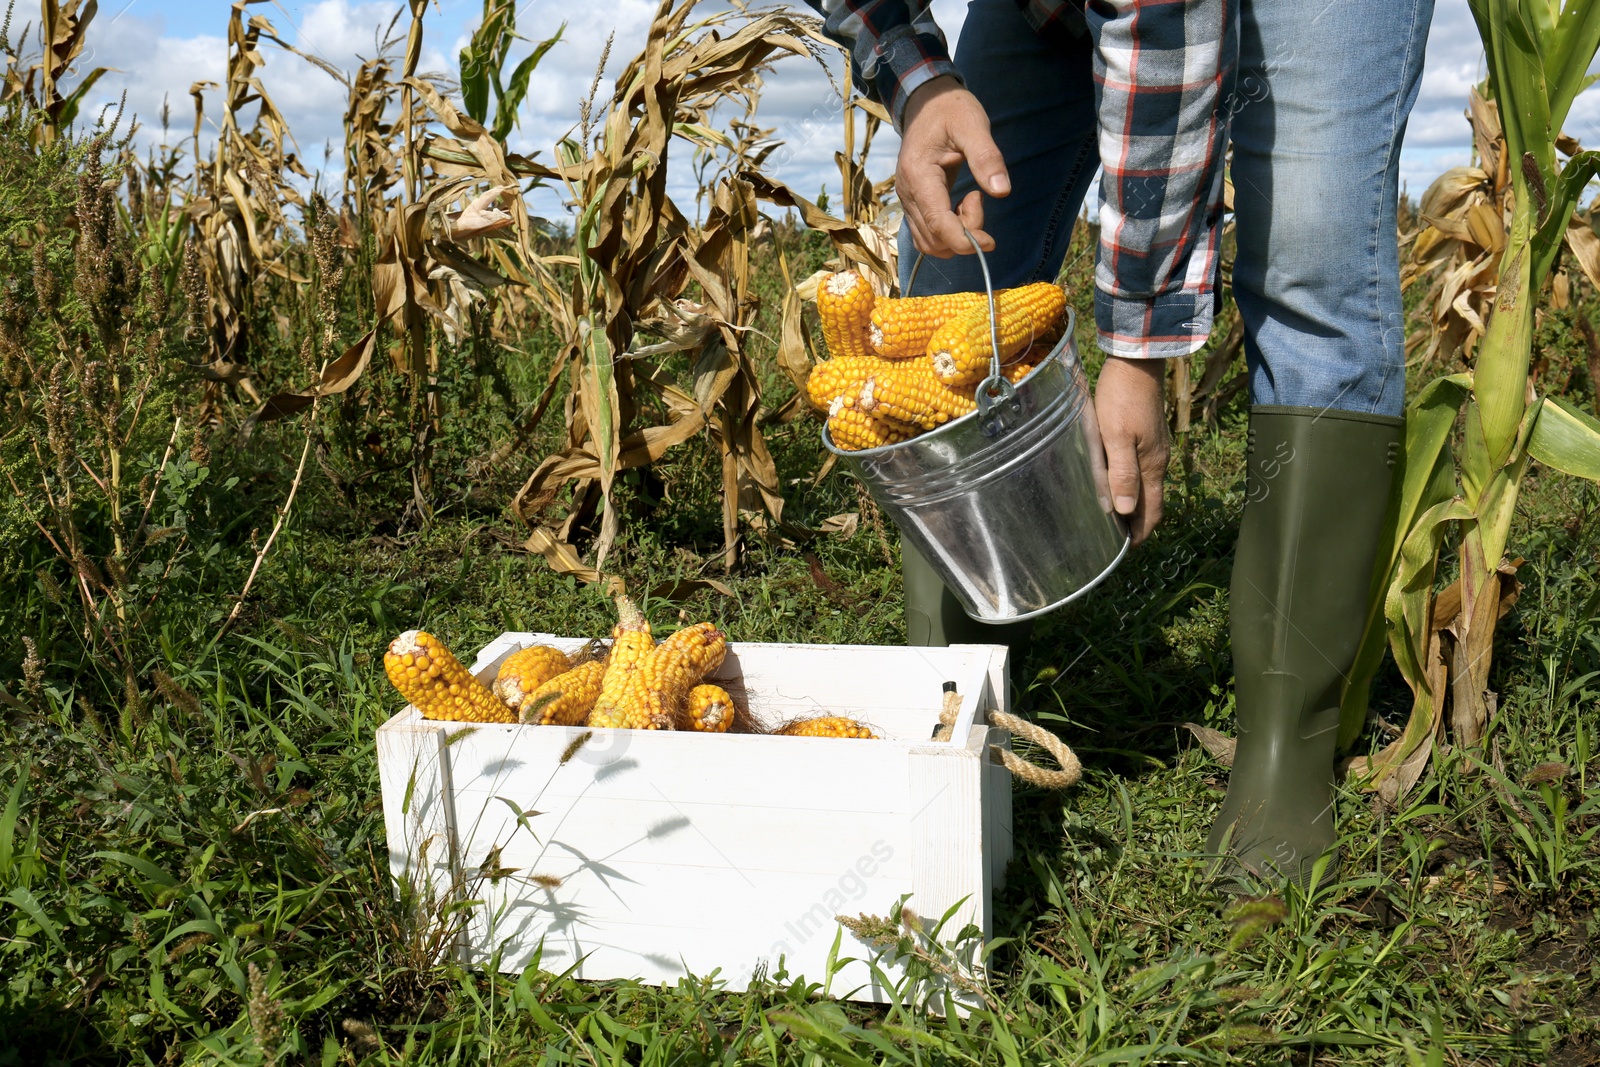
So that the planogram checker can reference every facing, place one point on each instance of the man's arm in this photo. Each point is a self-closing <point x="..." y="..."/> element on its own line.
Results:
<point x="1163" y="69"/>
<point x="901" y="59"/>
<point x="895" y="47"/>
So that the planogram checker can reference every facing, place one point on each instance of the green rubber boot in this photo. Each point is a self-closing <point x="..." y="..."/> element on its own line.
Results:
<point x="1317" y="490"/>
<point x="934" y="618"/>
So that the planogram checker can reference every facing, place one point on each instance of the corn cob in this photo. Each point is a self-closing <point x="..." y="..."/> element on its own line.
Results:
<point x="827" y="726"/>
<point x="833" y="379"/>
<point x="709" y="709"/>
<point x="853" y="430"/>
<point x="630" y="643"/>
<point x="960" y="349"/>
<point x="526" y="670"/>
<point x="703" y="646"/>
<point x="565" y="700"/>
<point x="902" y="327"/>
<point x="844" y="304"/>
<point x="436" y="683"/>
<point x="1015" y="372"/>
<point x="676" y="666"/>
<point x="912" y="395"/>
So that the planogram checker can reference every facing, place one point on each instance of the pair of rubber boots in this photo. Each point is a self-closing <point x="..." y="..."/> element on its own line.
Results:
<point x="1316" y="494"/>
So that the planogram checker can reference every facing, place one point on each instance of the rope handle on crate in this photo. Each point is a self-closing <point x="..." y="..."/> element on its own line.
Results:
<point x="1071" y="770"/>
<point x="995" y="396"/>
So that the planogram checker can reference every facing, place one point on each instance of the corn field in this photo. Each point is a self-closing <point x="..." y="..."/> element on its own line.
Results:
<point x="344" y="315"/>
<point x="257" y="417"/>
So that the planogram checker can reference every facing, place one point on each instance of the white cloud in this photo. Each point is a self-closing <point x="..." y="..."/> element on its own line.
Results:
<point x="1454" y="65"/>
<point x="152" y="67"/>
<point x="799" y="101"/>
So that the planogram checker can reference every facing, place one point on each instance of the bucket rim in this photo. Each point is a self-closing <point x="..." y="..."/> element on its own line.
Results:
<point x="1082" y="591"/>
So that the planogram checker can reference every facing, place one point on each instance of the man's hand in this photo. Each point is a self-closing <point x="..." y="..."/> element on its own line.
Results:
<point x="943" y="126"/>
<point x="1129" y="403"/>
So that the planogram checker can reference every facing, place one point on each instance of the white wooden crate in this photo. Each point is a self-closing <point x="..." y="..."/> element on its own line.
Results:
<point x="657" y="855"/>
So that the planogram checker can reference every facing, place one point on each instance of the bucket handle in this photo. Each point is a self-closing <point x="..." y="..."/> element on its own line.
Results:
<point x="998" y="407"/>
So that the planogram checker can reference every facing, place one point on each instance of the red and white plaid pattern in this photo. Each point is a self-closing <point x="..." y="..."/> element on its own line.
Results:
<point x="1163" y="72"/>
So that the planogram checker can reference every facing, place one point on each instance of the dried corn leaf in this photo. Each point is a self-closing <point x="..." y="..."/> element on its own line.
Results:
<point x="1585" y="248"/>
<point x="861" y="244"/>
<point x="1218" y="744"/>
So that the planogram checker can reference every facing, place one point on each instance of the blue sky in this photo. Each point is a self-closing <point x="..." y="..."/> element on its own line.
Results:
<point x="161" y="46"/>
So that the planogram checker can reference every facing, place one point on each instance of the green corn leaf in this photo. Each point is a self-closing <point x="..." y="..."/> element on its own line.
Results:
<point x="1565" y="193"/>
<point x="1409" y="609"/>
<point x="517" y="90"/>
<point x="474" y="81"/>
<point x="1567" y="439"/>
<point x="1500" y="379"/>
<point x="1428" y="424"/>
<point x="1497" y="508"/>
<point x="1476" y="468"/>
<point x="1409" y="602"/>
<point x="601" y="408"/>
<point x="1424" y="479"/>
<point x="481" y="59"/>
<point x="1571" y="49"/>
<point x="1496" y="505"/>
<point x="1515" y="81"/>
<point x="70" y="106"/>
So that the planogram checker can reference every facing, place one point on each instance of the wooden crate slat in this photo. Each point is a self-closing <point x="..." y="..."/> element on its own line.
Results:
<point x="769" y="838"/>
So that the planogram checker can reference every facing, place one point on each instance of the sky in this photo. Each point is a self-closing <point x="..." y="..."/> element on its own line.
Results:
<point x="157" y="48"/>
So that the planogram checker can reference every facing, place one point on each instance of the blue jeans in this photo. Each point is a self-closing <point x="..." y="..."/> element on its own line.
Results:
<point x="1323" y="91"/>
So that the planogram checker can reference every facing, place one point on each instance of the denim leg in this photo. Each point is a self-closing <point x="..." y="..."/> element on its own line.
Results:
<point x="1324" y="89"/>
<point x="1039" y="95"/>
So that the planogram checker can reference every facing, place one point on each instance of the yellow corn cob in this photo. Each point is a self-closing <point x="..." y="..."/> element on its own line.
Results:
<point x="709" y="709"/>
<point x="436" y="683"/>
<point x="853" y="430"/>
<point x="703" y="645"/>
<point x="565" y="700"/>
<point x="1015" y="372"/>
<point x="526" y="670"/>
<point x="827" y="726"/>
<point x="844" y="304"/>
<point x="654" y="693"/>
<point x="676" y="666"/>
<point x="630" y="643"/>
<point x="913" y="395"/>
<point x="833" y="379"/>
<point x="960" y="349"/>
<point x="902" y="327"/>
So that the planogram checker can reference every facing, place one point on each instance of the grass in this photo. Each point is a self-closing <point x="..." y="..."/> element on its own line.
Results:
<point x="192" y="850"/>
<point x="211" y="885"/>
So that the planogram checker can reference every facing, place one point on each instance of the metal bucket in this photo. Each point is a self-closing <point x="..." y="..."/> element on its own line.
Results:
<point x="1009" y="504"/>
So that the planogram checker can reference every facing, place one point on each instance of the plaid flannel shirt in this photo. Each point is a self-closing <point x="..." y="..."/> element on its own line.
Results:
<point x="1163" y="71"/>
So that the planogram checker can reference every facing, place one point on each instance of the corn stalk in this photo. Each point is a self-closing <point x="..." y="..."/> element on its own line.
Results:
<point x="649" y="291"/>
<point x="483" y="60"/>
<point x="1539" y="53"/>
<point x="237" y="204"/>
<point x="63" y="30"/>
<point x="1466" y="217"/>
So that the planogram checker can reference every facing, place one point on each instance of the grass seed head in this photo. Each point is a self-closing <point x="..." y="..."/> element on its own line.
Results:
<point x="266" y="1015"/>
<point x="32" y="670"/>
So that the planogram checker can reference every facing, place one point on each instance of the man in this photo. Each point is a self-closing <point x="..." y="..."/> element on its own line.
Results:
<point x="1005" y="139"/>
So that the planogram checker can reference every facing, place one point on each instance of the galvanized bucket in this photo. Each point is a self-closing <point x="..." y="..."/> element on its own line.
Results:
<point x="1010" y="504"/>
